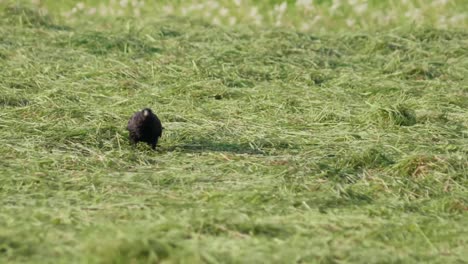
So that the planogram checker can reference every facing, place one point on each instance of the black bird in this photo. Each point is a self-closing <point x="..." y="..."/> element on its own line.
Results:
<point x="145" y="126"/>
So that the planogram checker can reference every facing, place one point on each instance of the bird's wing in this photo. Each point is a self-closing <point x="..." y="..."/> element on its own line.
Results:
<point x="130" y="122"/>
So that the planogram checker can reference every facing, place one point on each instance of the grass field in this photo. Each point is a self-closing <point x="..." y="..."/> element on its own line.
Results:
<point x="335" y="142"/>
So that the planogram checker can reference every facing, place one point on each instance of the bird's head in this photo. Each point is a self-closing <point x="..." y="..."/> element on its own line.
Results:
<point x="146" y="112"/>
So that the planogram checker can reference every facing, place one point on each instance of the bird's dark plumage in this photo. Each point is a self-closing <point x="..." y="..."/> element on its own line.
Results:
<point x="145" y="126"/>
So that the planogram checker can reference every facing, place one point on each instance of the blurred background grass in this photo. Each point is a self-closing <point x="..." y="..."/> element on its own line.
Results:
<point x="304" y="15"/>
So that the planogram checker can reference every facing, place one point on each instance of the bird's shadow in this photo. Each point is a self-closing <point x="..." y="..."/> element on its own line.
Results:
<point x="209" y="146"/>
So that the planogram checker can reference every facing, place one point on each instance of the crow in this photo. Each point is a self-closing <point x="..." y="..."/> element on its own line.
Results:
<point x="144" y="126"/>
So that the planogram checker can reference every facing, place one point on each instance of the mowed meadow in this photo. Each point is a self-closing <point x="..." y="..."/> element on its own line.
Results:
<point x="295" y="132"/>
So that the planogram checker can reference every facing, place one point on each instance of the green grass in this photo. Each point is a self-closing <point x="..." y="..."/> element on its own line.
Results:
<point x="280" y="146"/>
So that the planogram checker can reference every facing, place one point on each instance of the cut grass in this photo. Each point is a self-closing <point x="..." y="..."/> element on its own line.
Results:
<point x="279" y="146"/>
